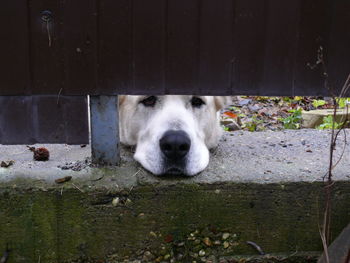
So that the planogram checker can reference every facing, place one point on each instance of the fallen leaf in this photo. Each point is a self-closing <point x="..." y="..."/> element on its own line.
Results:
<point x="168" y="239"/>
<point x="230" y="114"/>
<point x="63" y="179"/>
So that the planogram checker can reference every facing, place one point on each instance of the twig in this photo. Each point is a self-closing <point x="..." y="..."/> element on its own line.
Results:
<point x="343" y="151"/>
<point x="136" y="172"/>
<point x="325" y="231"/>
<point x="347" y="260"/>
<point x="289" y="256"/>
<point x="6" y="255"/>
<point x="256" y="246"/>
<point x="77" y="188"/>
<point x="98" y="179"/>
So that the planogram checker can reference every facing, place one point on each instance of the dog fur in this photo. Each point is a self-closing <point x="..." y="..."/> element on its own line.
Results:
<point x="145" y="119"/>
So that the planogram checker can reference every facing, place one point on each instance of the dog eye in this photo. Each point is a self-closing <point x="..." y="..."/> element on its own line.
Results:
<point x="197" y="102"/>
<point x="149" y="101"/>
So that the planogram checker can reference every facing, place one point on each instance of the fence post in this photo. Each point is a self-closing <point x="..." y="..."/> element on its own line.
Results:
<point x="104" y="130"/>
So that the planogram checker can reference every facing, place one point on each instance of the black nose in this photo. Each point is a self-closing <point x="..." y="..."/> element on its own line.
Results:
<point x="175" y="144"/>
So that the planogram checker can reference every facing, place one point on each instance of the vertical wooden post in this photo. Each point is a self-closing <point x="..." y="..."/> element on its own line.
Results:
<point x="104" y="130"/>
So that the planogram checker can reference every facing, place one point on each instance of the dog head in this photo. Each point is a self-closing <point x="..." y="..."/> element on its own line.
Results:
<point x="172" y="133"/>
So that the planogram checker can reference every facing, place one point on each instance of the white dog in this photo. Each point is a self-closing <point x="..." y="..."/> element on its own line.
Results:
<point x="172" y="133"/>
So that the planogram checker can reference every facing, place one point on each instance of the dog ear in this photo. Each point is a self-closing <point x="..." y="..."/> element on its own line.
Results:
<point x="222" y="101"/>
<point x="121" y="99"/>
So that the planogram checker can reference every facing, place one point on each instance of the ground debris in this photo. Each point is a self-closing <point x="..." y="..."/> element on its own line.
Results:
<point x="39" y="154"/>
<point x="74" y="166"/>
<point x="256" y="246"/>
<point x="5" y="256"/>
<point x="259" y="113"/>
<point x="6" y="164"/>
<point x="63" y="179"/>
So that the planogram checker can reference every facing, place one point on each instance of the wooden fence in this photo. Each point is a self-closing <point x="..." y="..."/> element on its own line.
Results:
<point x="54" y="50"/>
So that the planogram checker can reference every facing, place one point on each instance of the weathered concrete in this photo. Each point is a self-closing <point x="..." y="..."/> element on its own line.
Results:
<point x="264" y="187"/>
<point x="263" y="157"/>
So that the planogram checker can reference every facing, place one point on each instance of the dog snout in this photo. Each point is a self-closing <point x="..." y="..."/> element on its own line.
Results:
<point x="175" y="144"/>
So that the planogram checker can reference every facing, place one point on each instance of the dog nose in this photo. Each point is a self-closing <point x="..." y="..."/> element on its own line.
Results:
<point x="175" y="144"/>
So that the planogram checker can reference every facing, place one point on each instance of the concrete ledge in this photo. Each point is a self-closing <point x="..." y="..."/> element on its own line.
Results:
<point x="314" y="118"/>
<point x="264" y="187"/>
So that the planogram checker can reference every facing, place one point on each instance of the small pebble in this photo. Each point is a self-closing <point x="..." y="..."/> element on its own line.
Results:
<point x="207" y="241"/>
<point x="225" y="236"/>
<point x="147" y="256"/>
<point x="115" y="201"/>
<point x="159" y="259"/>
<point x="201" y="253"/>
<point x="226" y="244"/>
<point x="153" y="234"/>
<point x="181" y="244"/>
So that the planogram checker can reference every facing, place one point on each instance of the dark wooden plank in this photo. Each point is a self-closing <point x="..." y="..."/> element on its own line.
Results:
<point x="149" y="46"/>
<point x="60" y="119"/>
<point x="115" y="56"/>
<point x="16" y="125"/>
<point x="216" y="47"/>
<point x="46" y="47"/>
<point x="249" y="43"/>
<point x="182" y="58"/>
<point x="314" y="23"/>
<point x="76" y="120"/>
<point x="41" y="119"/>
<point x="280" y="47"/>
<point x="339" y="47"/>
<point x="48" y="119"/>
<point x="174" y="46"/>
<point x="14" y="62"/>
<point x="80" y="43"/>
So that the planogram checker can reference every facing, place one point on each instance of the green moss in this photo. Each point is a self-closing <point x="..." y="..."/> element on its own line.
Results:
<point x="160" y="220"/>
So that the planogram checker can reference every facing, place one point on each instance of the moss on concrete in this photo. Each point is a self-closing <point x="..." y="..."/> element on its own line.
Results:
<point x="151" y="222"/>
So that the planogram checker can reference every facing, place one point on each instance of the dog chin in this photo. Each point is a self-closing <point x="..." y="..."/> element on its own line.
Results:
<point x="158" y="165"/>
<point x="177" y="171"/>
<point x="174" y="171"/>
<point x="164" y="169"/>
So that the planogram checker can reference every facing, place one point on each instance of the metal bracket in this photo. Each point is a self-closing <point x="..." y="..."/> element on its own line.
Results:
<point x="104" y="130"/>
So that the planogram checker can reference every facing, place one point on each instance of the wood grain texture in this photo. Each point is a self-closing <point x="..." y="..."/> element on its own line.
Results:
<point x="230" y="47"/>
